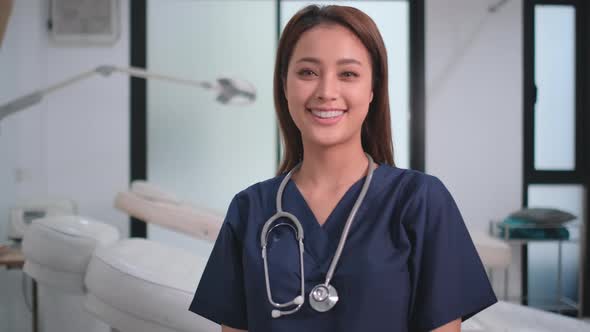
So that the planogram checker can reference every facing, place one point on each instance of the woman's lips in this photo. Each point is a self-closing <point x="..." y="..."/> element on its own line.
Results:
<point x="326" y="116"/>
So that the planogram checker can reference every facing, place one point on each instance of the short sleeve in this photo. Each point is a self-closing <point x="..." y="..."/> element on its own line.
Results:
<point x="447" y="276"/>
<point x="220" y="295"/>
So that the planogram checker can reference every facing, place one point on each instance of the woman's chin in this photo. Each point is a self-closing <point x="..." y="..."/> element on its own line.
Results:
<point x="325" y="141"/>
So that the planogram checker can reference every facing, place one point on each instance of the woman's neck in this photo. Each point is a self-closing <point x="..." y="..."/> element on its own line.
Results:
<point x="331" y="168"/>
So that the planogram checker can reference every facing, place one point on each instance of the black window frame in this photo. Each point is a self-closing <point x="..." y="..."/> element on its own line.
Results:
<point x="581" y="173"/>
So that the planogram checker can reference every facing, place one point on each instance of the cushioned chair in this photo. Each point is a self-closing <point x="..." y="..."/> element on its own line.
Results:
<point x="132" y="284"/>
<point x="142" y="285"/>
<point x="57" y="251"/>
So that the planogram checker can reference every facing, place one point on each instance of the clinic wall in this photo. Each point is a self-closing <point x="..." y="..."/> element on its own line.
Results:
<point x="13" y="312"/>
<point x="75" y="144"/>
<point x="474" y="109"/>
<point x="8" y="148"/>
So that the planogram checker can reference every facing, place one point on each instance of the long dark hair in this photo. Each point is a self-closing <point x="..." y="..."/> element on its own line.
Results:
<point x="376" y="129"/>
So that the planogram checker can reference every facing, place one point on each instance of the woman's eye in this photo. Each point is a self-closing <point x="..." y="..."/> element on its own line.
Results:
<point x="309" y="73"/>
<point x="349" y="74"/>
<point x="305" y="72"/>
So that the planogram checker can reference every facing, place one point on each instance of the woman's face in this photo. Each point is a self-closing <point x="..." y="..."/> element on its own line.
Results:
<point x="329" y="85"/>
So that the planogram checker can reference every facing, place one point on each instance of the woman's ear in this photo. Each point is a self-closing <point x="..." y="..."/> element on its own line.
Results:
<point x="371" y="97"/>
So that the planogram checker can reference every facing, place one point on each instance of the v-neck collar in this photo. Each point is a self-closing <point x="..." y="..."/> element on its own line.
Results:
<point x="321" y="240"/>
<point x="336" y="211"/>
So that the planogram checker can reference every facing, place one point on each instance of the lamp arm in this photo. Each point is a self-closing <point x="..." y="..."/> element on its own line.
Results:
<point x="69" y="81"/>
<point x="35" y="97"/>
<point x="225" y="87"/>
<point x="20" y="103"/>
<point x="142" y="73"/>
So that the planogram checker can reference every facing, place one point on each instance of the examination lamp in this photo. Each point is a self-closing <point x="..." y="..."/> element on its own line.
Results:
<point x="229" y="91"/>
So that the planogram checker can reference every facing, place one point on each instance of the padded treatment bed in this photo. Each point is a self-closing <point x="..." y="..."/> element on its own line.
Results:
<point x="510" y="317"/>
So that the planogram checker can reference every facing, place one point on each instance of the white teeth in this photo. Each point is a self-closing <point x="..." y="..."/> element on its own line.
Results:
<point x="327" y="114"/>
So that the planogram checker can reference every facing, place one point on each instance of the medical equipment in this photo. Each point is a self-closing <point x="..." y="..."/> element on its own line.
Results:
<point x="153" y="193"/>
<point x="153" y="205"/>
<point x="229" y="90"/>
<point x="322" y="297"/>
<point x="80" y="259"/>
<point x="507" y="316"/>
<point x="22" y="215"/>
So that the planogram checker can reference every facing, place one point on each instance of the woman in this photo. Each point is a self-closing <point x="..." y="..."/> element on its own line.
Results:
<point x="385" y="248"/>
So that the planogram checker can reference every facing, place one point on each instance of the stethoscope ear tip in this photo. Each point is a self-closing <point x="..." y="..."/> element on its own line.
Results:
<point x="276" y="313"/>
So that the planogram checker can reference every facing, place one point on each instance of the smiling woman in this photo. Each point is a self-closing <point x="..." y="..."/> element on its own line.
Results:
<point x="329" y="67"/>
<point x="367" y="245"/>
<point x="338" y="66"/>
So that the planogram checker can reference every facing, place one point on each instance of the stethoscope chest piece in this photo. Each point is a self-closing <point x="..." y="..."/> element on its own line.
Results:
<point x="323" y="298"/>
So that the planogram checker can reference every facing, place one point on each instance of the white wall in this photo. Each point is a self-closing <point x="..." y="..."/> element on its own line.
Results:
<point x="75" y="144"/>
<point x="474" y="109"/>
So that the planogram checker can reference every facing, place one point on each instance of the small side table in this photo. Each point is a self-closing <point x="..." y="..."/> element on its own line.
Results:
<point x="502" y="231"/>
<point x="13" y="258"/>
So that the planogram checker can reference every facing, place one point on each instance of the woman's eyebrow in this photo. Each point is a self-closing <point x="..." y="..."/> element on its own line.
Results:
<point x="339" y="62"/>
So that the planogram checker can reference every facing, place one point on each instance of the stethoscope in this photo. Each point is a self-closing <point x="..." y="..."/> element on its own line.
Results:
<point x="322" y="297"/>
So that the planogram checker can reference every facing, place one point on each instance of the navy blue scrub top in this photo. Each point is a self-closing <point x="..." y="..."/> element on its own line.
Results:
<point x="408" y="263"/>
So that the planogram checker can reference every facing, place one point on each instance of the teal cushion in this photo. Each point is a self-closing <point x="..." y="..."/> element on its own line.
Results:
<point x="524" y="229"/>
<point x="543" y="215"/>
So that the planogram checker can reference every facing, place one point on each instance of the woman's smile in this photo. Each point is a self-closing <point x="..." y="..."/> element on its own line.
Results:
<point x="326" y="116"/>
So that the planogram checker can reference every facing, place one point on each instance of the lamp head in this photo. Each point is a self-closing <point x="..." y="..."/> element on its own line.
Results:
<point x="235" y="92"/>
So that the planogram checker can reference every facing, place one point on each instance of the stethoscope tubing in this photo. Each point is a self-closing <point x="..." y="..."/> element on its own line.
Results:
<point x="266" y="274"/>
<point x="353" y="212"/>
<point x="298" y="229"/>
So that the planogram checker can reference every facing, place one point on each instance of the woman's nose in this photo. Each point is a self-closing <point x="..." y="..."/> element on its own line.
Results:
<point x="327" y="88"/>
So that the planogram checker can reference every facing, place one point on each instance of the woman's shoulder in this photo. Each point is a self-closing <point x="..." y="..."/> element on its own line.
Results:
<point x="407" y="187"/>
<point x="262" y="187"/>
<point x="259" y="193"/>
<point x="407" y="179"/>
<point x="256" y="198"/>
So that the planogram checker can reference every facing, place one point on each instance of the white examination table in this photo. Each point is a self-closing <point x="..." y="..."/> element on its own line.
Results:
<point x="509" y="317"/>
